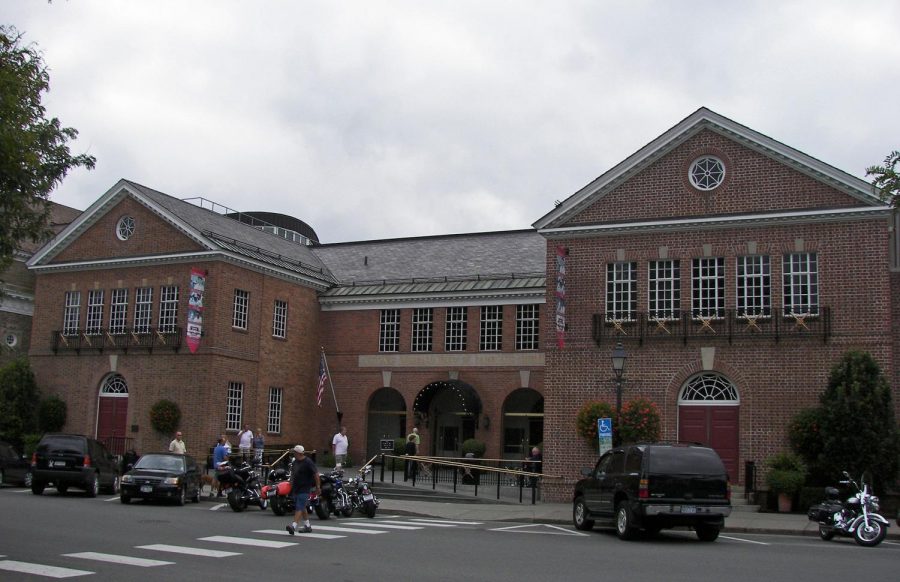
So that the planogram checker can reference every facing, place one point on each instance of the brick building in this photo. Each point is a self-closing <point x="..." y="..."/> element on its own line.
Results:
<point x="734" y="270"/>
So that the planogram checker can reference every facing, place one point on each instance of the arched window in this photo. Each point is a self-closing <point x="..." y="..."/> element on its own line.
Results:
<point x="709" y="388"/>
<point x="114" y="385"/>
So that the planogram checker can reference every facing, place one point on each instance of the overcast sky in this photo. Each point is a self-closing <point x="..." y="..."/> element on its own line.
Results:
<point x="378" y="119"/>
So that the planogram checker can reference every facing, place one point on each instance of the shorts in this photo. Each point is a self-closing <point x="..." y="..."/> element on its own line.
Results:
<point x="300" y="501"/>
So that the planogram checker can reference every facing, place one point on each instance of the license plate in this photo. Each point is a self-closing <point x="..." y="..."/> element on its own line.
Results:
<point x="146" y="488"/>
<point x="58" y="464"/>
<point x="688" y="509"/>
<point x="368" y="497"/>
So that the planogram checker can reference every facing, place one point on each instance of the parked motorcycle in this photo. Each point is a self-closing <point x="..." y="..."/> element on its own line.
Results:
<point x="361" y="496"/>
<point x="334" y="495"/>
<point x="856" y="517"/>
<point x="278" y="493"/>
<point x="242" y="486"/>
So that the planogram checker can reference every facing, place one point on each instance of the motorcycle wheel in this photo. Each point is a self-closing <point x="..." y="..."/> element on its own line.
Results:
<point x="826" y="533"/>
<point x="321" y="511"/>
<point x="369" y="508"/>
<point x="332" y="510"/>
<point x="236" y="500"/>
<point x="870" y="536"/>
<point x="277" y="505"/>
<point x="347" y="511"/>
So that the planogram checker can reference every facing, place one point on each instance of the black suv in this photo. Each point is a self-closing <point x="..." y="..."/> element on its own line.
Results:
<point x="652" y="487"/>
<point x="71" y="460"/>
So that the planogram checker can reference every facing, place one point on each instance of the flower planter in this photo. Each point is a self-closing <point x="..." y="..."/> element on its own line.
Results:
<point x="784" y="503"/>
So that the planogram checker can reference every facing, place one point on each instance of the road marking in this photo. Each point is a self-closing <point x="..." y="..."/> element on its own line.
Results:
<point x="422" y="520"/>
<point x="40" y="569"/>
<point x="116" y="498"/>
<point x="281" y="532"/>
<point x="247" y="542"/>
<point x="743" y="540"/>
<point x="348" y="529"/>
<point x="425" y="524"/>
<point x="891" y="543"/>
<point x="381" y="524"/>
<point x="538" y="528"/>
<point x="112" y="558"/>
<point x="218" y="506"/>
<point x="189" y="551"/>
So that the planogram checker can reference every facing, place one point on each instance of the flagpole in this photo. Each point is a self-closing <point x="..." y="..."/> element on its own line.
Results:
<point x="333" y="395"/>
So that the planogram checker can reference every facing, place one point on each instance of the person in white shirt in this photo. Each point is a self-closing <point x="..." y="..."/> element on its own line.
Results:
<point x="177" y="445"/>
<point x="340" y="443"/>
<point x="245" y="441"/>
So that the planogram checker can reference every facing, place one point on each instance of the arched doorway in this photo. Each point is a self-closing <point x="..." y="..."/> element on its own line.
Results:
<point x="112" y="413"/>
<point x="523" y="422"/>
<point x="450" y="410"/>
<point x="387" y="419"/>
<point x="708" y="413"/>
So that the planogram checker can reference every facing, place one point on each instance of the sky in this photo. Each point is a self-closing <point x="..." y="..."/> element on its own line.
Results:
<point x="371" y="119"/>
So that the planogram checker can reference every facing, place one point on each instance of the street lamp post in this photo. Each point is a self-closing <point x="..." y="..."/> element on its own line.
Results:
<point x="618" y="363"/>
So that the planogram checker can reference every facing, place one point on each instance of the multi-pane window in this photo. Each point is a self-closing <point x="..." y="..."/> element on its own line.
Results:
<point x="491" y="328"/>
<point x="94" y="322"/>
<point x="72" y="313"/>
<point x="234" y="406"/>
<point x="621" y="291"/>
<point x="241" y="306"/>
<point x="456" y="331"/>
<point x="664" y="289"/>
<point x="118" y="311"/>
<point x="389" y="334"/>
<point x="273" y="424"/>
<point x="708" y="287"/>
<point x="527" y="326"/>
<point x="754" y="286"/>
<point x="143" y="309"/>
<point x="279" y="319"/>
<point x="801" y="284"/>
<point x="422" y="322"/>
<point x="168" y="308"/>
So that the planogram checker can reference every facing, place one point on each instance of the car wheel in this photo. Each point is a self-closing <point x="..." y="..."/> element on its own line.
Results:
<point x="182" y="496"/>
<point x="114" y="488"/>
<point x="92" y="485"/>
<point x="125" y="499"/>
<point x="706" y="532"/>
<point x="2" y="478"/>
<point x="580" y="514"/>
<point x="37" y="488"/>
<point x="625" y="522"/>
<point x="29" y="479"/>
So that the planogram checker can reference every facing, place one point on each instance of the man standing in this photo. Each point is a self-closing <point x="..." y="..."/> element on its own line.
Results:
<point x="259" y="444"/>
<point x="304" y="476"/>
<point x="414" y="435"/>
<point x="220" y="458"/>
<point x="245" y="441"/>
<point x="340" y="444"/>
<point x="177" y="445"/>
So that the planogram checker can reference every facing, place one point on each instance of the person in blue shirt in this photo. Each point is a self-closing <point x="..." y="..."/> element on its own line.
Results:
<point x="220" y="455"/>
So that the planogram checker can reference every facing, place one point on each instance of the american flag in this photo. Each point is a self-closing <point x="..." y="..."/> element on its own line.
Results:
<point x="323" y="376"/>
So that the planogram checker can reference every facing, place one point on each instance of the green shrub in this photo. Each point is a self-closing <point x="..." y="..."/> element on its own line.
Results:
<point x="474" y="446"/>
<point x="165" y="416"/>
<point x="787" y="474"/>
<point x="52" y="412"/>
<point x="805" y="435"/>
<point x="586" y="421"/>
<point x="18" y="393"/>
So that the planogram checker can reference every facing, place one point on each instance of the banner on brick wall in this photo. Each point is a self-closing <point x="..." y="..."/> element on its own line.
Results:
<point x="561" y="255"/>
<point x="195" y="309"/>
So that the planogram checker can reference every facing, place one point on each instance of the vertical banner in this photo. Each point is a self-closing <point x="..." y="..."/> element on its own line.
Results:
<point x="561" y="253"/>
<point x="195" y="309"/>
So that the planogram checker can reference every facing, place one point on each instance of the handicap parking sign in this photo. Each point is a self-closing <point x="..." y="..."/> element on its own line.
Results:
<point x="604" y="434"/>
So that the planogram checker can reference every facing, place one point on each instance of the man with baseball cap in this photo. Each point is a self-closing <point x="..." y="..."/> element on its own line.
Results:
<point x="304" y="476"/>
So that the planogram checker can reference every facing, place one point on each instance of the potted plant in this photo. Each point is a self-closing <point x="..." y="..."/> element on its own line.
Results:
<point x="787" y="475"/>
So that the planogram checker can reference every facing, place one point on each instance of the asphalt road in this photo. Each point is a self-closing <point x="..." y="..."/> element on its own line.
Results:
<point x="102" y="539"/>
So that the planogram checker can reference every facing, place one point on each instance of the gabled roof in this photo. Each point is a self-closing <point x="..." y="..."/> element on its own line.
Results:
<point x="218" y="235"/>
<point x="705" y="119"/>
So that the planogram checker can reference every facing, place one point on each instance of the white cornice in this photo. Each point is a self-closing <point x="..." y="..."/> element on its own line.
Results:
<point x="399" y="301"/>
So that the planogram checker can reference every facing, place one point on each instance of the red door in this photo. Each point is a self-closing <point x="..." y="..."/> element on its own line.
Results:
<point x="715" y="427"/>
<point x="111" y="422"/>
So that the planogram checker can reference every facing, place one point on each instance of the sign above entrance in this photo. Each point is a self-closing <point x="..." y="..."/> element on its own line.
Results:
<point x="387" y="444"/>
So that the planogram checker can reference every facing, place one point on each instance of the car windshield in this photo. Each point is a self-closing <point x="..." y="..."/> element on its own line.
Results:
<point x="685" y="461"/>
<point x="62" y="444"/>
<point x="160" y="462"/>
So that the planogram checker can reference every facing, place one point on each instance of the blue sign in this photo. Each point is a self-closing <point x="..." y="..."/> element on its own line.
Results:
<point x="604" y="434"/>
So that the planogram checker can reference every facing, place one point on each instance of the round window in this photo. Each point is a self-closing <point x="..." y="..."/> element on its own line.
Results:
<point x="125" y="228"/>
<point x="11" y="340"/>
<point x="707" y="173"/>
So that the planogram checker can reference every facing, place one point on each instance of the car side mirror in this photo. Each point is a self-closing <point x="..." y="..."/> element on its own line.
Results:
<point x="129" y="467"/>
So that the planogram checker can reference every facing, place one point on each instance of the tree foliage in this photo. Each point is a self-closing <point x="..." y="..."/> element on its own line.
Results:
<point x="165" y="416"/>
<point x="886" y="178"/>
<point x="51" y="414"/>
<point x="34" y="150"/>
<point x="18" y="396"/>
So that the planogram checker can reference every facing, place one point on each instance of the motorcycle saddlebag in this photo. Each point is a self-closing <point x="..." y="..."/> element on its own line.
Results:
<point x="283" y="488"/>
<point x="823" y="511"/>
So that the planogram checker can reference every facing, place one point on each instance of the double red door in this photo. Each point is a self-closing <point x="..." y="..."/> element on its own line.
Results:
<point x="715" y="427"/>
<point x="111" y="420"/>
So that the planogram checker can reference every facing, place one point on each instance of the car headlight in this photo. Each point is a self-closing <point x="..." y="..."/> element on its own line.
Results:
<point x="127" y="479"/>
<point x="171" y="480"/>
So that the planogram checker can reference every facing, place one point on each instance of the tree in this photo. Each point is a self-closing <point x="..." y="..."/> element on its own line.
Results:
<point x="18" y="396"/>
<point x="34" y="151"/>
<point x="887" y="179"/>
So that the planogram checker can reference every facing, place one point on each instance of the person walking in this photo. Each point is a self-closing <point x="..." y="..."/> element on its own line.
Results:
<point x="410" y="449"/>
<point x="304" y="478"/>
<point x="177" y="445"/>
<point x="259" y="443"/>
<point x="340" y="442"/>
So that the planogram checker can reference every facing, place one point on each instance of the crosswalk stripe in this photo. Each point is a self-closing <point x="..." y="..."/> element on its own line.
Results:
<point x="114" y="559"/>
<point x="422" y="520"/>
<point x="420" y="523"/>
<point x="281" y="532"/>
<point x="189" y="551"/>
<point x="381" y="524"/>
<point x="41" y="569"/>
<point x="348" y="529"/>
<point x="247" y="542"/>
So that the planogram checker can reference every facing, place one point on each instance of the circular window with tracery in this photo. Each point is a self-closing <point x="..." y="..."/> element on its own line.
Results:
<point x="125" y="227"/>
<point x="114" y="386"/>
<point x="707" y="173"/>
<point x="709" y="389"/>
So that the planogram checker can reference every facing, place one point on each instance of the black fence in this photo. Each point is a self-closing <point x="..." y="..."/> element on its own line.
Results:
<point x="121" y="340"/>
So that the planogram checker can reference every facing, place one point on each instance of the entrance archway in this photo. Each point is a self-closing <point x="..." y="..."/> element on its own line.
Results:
<point x="451" y="410"/>
<point x="523" y="422"/>
<point x="112" y="413"/>
<point x="387" y="419"/>
<point x="708" y="413"/>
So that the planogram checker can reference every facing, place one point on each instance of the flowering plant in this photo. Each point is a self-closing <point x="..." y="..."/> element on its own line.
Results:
<point x="639" y="422"/>
<point x="586" y="421"/>
<point x="165" y="416"/>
